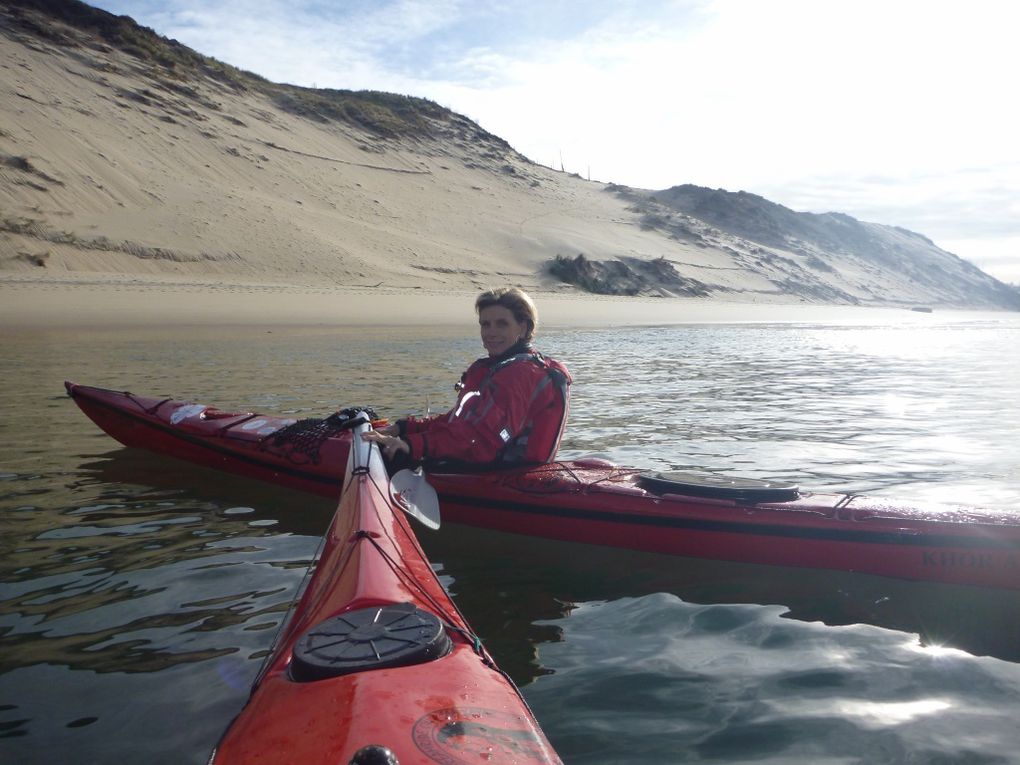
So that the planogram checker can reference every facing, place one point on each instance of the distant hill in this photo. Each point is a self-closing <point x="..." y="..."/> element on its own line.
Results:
<point x="831" y="253"/>
<point x="125" y="154"/>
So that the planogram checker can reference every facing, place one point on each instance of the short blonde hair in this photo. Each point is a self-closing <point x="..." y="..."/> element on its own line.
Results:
<point x="517" y="301"/>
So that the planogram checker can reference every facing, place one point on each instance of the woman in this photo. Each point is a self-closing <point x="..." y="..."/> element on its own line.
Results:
<point x="512" y="406"/>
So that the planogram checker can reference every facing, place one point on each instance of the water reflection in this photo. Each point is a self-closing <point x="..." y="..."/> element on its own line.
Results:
<point x="555" y="576"/>
<point x="738" y="683"/>
<point x="116" y="583"/>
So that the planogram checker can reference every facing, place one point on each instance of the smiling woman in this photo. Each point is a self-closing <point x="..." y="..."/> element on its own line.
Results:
<point x="512" y="405"/>
<point x="504" y="324"/>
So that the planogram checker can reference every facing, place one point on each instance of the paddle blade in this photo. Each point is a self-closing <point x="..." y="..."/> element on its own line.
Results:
<point x="415" y="496"/>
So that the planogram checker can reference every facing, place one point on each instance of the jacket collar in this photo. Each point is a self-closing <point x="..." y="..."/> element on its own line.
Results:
<point x="521" y="346"/>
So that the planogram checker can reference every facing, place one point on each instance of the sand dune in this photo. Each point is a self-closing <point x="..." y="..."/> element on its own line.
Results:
<point x="126" y="178"/>
<point x="119" y="175"/>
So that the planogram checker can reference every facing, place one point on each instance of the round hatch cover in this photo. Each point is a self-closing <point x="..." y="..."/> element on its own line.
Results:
<point x="370" y="638"/>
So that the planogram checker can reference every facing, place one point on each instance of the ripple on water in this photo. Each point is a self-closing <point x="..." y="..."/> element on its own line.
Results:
<point x="728" y="681"/>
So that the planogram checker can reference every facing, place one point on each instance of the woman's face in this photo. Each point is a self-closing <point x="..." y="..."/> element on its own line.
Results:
<point x="499" y="329"/>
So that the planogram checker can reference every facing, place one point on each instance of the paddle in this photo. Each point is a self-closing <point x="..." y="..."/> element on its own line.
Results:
<point x="408" y="488"/>
<point x="415" y="496"/>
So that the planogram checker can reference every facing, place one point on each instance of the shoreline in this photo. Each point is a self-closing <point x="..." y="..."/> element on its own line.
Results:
<point x="110" y="304"/>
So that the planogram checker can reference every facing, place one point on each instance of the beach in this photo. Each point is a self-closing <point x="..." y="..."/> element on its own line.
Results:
<point x="130" y="302"/>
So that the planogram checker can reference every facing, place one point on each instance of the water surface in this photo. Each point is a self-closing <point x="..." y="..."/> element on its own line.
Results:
<point x="138" y="594"/>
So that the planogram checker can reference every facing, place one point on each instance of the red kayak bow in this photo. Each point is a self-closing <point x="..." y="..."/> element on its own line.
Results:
<point x="376" y="666"/>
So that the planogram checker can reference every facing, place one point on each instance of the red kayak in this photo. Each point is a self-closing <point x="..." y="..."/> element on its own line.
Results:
<point x="376" y="666"/>
<point x="597" y="502"/>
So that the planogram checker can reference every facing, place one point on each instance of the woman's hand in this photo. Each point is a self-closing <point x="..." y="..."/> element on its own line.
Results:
<point x="389" y="444"/>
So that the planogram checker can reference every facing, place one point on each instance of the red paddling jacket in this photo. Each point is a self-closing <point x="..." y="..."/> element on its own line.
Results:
<point x="512" y="409"/>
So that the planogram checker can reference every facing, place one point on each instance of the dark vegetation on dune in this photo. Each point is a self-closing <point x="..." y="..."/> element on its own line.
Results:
<point x="625" y="276"/>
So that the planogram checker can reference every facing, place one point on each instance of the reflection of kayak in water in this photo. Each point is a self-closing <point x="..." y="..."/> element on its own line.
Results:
<point x="596" y="502"/>
<point x="376" y="665"/>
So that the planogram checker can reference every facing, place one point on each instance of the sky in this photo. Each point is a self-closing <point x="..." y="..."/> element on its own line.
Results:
<point x="902" y="112"/>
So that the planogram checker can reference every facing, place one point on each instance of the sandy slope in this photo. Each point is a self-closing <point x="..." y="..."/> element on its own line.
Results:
<point x="143" y="180"/>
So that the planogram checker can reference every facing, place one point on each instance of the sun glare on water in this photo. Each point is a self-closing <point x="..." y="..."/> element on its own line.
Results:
<point x="937" y="651"/>
<point x="885" y="714"/>
<point x="905" y="341"/>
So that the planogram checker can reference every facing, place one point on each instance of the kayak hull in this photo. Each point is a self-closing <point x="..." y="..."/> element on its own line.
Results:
<point x="376" y="654"/>
<point x="595" y="502"/>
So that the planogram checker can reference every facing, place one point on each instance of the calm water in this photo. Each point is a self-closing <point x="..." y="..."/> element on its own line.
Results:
<point x="138" y="595"/>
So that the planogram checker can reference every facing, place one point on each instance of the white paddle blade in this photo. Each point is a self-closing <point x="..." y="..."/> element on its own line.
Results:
<point x="415" y="496"/>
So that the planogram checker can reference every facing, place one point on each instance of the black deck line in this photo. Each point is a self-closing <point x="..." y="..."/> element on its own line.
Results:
<point x="624" y="519"/>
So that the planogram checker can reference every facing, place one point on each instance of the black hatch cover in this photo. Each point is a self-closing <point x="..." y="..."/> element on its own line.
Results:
<point x="718" y="487"/>
<point x="370" y="638"/>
